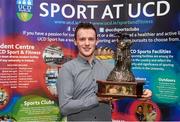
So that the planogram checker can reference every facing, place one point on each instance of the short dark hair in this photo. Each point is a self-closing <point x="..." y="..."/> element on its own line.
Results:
<point x="84" y="26"/>
<point x="140" y="106"/>
<point x="150" y="105"/>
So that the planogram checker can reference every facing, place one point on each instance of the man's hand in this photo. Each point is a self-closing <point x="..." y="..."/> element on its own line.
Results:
<point x="147" y="93"/>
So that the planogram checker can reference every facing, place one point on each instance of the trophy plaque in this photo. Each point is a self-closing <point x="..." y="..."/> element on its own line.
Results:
<point x="121" y="81"/>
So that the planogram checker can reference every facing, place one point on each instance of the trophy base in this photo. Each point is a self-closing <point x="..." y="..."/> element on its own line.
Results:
<point x="120" y="89"/>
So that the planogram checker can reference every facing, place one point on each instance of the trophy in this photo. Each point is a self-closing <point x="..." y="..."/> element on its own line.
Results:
<point x="121" y="81"/>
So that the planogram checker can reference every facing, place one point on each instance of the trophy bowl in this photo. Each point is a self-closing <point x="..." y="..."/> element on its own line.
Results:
<point x="120" y="89"/>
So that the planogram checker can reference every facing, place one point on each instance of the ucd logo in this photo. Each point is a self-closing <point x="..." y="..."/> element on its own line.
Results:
<point x="24" y="9"/>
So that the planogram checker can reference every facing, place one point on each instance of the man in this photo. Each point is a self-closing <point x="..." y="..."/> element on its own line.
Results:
<point x="76" y="84"/>
<point x="151" y="114"/>
<point x="139" y="113"/>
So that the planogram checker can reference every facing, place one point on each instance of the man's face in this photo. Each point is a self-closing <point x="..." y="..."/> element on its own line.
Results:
<point x="86" y="42"/>
<point x="140" y="109"/>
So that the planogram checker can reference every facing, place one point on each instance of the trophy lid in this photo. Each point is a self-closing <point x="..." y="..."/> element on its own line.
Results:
<point x="122" y="36"/>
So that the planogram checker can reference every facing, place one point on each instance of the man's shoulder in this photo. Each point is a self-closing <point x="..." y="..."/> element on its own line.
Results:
<point x="68" y="66"/>
<point x="71" y="62"/>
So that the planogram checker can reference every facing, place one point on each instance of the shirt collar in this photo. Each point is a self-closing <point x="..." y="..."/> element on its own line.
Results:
<point x="84" y="61"/>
